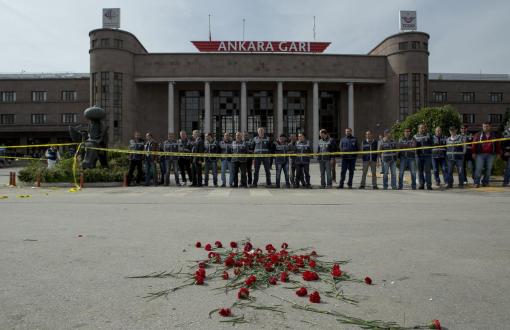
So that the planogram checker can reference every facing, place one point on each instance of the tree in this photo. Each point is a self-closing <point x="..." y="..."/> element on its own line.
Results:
<point x="444" y="117"/>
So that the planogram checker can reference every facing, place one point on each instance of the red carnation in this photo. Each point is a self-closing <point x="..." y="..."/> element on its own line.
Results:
<point x="208" y="247"/>
<point x="233" y="245"/>
<point x="248" y="247"/>
<point x="285" y="245"/>
<point x="200" y="272"/>
<point x="368" y="280"/>
<point x="313" y="253"/>
<point x="270" y="248"/>
<point x="315" y="297"/>
<point x="275" y="258"/>
<point x="225" y="312"/>
<point x="435" y="325"/>
<point x="250" y="280"/>
<point x="225" y="276"/>
<point x="272" y="280"/>
<point x="218" y="244"/>
<point x="201" y="264"/>
<point x="284" y="277"/>
<point x="302" y="292"/>
<point x="336" y="272"/>
<point x="312" y="264"/>
<point x="229" y="262"/>
<point x="237" y="271"/>
<point x="243" y="293"/>
<point x="198" y="245"/>
<point x="310" y="276"/>
<point x="199" y="280"/>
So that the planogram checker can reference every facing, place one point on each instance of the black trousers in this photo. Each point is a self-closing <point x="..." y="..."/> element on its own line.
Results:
<point x="135" y="163"/>
<point x="302" y="175"/>
<point x="196" y="172"/>
<point x="236" y="166"/>
<point x="185" y="167"/>
<point x="249" y="172"/>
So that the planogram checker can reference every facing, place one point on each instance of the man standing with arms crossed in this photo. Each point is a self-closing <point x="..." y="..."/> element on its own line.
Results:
<point x="424" y="157"/>
<point x="261" y="147"/>
<point x="348" y="144"/>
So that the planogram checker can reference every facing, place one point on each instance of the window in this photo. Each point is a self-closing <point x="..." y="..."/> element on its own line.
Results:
<point x="439" y="97"/>
<point x="117" y="106"/>
<point x="226" y="109"/>
<point x="7" y="119"/>
<point x="38" y="118"/>
<point x="93" y="43"/>
<point x="403" y="96"/>
<point x="105" y="43"/>
<point x="415" y="44"/>
<point x="425" y="90"/>
<point x="69" y="95"/>
<point x="328" y="112"/>
<point x="7" y="96"/>
<point x="496" y="97"/>
<point x="294" y="109"/>
<point x="94" y="88"/>
<point x="495" y="118"/>
<point x="416" y="91"/>
<point x="118" y="43"/>
<point x="468" y="118"/>
<point x="105" y="90"/>
<point x="68" y="118"/>
<point x="468" y="97"/>
<point x="39" y="96"/>
<point x="260" y="111"/>
<point x="426" y="45"/>
<point x="403" y="45"/>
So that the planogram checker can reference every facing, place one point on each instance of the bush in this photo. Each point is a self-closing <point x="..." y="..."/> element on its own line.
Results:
<point x="444" y="117"/>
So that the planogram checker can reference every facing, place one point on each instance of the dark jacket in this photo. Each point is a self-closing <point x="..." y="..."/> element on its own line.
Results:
<point x="225" y="148"/>
<point x="349" y="144"/>
<point x="261" y="145"/>
<point x="211" y="147"/>
<point x="136" y="145"/>
<point x="454" y="152"/>
<point x="388" y="156"/>
<point x="169" y="146"/>
<point x="369" y="146"/>
<point x="326" y="145"/>
<point x="505" y="146"/>
<point x="439" y="150"/>
<point x="239" y="148"/>
<point x="424" y="140"/>
<point x="184" y="146"/>
<point x="302" y="148"/>
<point x="282" y="148"/>
<point x="407" y="143"/>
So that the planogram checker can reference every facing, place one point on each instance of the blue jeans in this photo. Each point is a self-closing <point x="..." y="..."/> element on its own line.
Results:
<point x="347" y="164"/>
<point x="483" y="161"/>
<point x="325" y="168"/>
<point x="211" y="165"/>
<point x="424" y="175"/>
<point x="390" y="166"/>
<point x="506" y="178"/>
<point x="285" y="167"/>
<point x="439" y="163"/>
<point x="166" y="172"/>
<point x="410" y="164"/>
<point x="459" y="163"/>
<point x="150" y="171"/>
<point x="226" y="164"/>
<point x="265" y="161"/>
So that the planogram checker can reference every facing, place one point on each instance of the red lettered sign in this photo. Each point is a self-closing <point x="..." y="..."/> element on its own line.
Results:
<point x="261" y="46"/>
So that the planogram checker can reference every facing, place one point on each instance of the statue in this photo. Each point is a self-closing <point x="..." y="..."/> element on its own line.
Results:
<point x="96" y="136"/>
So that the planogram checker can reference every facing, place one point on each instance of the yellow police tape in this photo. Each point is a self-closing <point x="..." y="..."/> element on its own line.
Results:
<point x="76" y="185"/>
<point x="336" y="153"/>
<point x="40" y="145"/>
<point x="21" y="158"/>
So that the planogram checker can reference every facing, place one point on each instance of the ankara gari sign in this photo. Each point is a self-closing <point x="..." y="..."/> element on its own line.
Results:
<point x="261" y="46"/>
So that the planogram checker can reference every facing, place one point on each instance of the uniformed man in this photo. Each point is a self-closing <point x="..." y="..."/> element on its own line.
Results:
<point x="197" y="147"/>
<point x="260" y="148"/>
<point x="150" y="159"/>
<point x="170" y="161"/>
<point x="302" y="162"/>
<point x="424" y="157"/>
<point x="184" y="145"/>
<point x="211" y="163"/>
<point x="389" y="160"/>
<point x="505" y="155"/>
<point x="135" y="159"/>
<point x="455" y="155"/>
<point x="469" y="162"/>
<point x="292" y="174"/>
<point x="239" y="163"/>
<point x="348" y="144"/>
<point x="407" y="158"/>
<point x="439" y="155"/>
<point x="485" y="154"/>
<point x="369" y="158"/>
<point x="226" y="164"/>
<point x="249" y="160"/>
<point x="325" y="146"/>
<point x="282" y="162"/>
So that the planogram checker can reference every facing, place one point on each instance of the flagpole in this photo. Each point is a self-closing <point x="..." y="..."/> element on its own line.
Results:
<point x="314" y="28"/>
<point x="210" y="38"/>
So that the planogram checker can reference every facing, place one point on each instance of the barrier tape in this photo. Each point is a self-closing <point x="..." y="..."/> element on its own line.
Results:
<point x="76" y="185"/>
<point x="336" y="153"/>
<point x="40" y="145"/>
<point x="21" y="158"/>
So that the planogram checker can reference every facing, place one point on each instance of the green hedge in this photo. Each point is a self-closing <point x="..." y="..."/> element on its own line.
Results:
<point x="444" y="117"/>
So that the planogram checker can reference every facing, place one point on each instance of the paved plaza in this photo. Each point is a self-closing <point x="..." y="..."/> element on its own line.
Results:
<point x="432" y="254"/>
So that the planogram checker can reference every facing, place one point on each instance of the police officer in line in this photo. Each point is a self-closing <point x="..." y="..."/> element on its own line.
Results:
<point x="170" y="162"/>
<point x="469" y="162"/>
<point x="211" y="146"/>
<point x="292" y="170"/>
<point x="348" y="144"/>
<point x="455" y="156"/>
<point x="150" y="159"/>
<point x="197" y="147"/>
<point x="333" y="158"/>
<point x="368" y="145"/>
<point x="135" y="159"/>
<point x="249" y="161"/>
<point x="226" y="164"/>
<point x="389" y="160"/>
<point x="184" y="145"/>
<point x="261" y="147"/>
<point x="239" y="163"/>
<point x="282" y="162"/>
<point x="505" y="155"/>
<point x="325" y="146"/>
<point x="407" y="158"/>
<point x="439" y="155"/>
<point x="302" y="162"/>
<point x="424" y="157"/>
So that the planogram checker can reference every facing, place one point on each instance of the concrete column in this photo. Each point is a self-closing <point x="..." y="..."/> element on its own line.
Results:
<point x="244" y="108"/>
<point x="171" y="108"/>
<point x="207" y="108"/>
<point x="315" y="121"/>
<point x="279" y="108"/>
<point x="350" y="107"/>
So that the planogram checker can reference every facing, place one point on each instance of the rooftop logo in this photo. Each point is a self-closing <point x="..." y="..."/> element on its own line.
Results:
<point x="111" y="18"/>
<point x="261" y="46"/>
<point x="408" y="20"/>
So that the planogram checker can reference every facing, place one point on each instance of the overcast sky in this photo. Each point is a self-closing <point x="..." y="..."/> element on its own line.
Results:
<point x="52" y="36"/>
